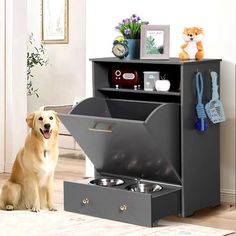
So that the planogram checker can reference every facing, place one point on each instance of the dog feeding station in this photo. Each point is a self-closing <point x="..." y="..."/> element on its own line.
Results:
<point x="150" y="160"/>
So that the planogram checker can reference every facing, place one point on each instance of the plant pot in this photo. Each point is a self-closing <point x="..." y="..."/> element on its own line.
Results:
<point x="134" y="48"/>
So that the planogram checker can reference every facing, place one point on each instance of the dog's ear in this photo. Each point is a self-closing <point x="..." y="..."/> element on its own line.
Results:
<point x="58" y="121"/>
<point x="30" y="119"/>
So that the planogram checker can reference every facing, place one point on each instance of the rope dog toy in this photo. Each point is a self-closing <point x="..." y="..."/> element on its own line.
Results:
<point x="201" y="124"/>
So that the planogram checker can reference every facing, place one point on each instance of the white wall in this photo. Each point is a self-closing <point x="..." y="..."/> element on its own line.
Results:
<point x="63" y="80"/>
<point x="227" y="30"/>
<point x="218" y="21"/>
<point x="15" y="79"/>
<point x="2" y="84"/>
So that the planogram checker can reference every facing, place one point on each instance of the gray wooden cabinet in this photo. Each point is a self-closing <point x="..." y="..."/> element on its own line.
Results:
<point x="146" y="135"/>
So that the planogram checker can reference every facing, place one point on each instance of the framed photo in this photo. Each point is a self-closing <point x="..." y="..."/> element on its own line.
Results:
<point x="155" y="41"/>
<point x="54" y="21"/>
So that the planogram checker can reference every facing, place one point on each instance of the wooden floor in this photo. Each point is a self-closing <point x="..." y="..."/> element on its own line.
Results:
<point x="68" y="168"/>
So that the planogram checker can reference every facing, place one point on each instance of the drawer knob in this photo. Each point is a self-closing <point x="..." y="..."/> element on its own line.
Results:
<point x="123" y="208"/>
<point x="85" y="201"/>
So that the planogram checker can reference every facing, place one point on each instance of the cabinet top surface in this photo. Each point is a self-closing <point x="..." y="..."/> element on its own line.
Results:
<point x="172" y="60"/>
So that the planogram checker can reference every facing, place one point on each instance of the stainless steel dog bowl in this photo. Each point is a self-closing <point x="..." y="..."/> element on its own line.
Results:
<point x="144" y="187"/>
<point x="107" y="182"/>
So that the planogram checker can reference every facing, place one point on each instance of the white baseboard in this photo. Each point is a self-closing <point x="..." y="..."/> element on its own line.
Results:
<point x="89" y="168"/>
<point x="1" y="168"/>
<point x="67" y="142"/>
<point x="8" y="167"/>
<point x="228" y="195"/>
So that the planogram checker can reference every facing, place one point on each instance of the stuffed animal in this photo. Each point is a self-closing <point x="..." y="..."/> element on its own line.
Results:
<point x="192" y="48"/>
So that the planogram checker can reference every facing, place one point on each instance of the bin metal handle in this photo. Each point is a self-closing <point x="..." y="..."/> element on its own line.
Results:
<point x="95" y="129"/>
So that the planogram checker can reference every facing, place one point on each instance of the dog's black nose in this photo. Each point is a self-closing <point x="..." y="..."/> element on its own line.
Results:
<point x="47" y="126"/>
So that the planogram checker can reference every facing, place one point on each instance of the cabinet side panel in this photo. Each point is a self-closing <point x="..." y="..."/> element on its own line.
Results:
<point x="166" y="205"/>
<point x="100" y="77"/>
<point x="200" y="150"/>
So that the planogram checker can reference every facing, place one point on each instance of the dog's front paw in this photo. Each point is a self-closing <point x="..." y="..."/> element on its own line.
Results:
<point x="52" y="209"/>
<point x="35" y="209"/>
<point x="51" y="206"/>
<point x="9" y="207"/>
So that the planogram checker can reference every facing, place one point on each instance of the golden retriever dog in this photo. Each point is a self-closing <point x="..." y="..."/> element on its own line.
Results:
<point x="30" y="185"/>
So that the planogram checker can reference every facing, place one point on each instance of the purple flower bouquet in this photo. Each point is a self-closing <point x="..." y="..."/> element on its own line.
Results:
<point x="130" y="27"/>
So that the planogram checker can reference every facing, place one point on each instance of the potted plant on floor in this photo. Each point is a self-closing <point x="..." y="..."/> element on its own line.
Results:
<point x="35" y="57"/>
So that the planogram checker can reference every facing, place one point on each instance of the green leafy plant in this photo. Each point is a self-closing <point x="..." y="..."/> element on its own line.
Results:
<point x="130" y="27"/>
<point x="151" y="47"/>
<point x="35" y="57"/>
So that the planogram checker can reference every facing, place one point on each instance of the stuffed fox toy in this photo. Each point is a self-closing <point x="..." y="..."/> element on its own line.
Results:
<point x="192" y="48"/>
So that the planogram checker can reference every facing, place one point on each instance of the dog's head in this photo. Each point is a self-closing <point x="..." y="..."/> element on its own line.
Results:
<point x="45" y="123"/>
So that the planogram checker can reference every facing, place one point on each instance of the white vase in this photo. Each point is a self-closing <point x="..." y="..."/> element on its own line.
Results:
<point x="162" y="85"/>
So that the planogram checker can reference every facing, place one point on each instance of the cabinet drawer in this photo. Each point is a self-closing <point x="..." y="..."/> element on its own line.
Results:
<point x="119" y="204"/>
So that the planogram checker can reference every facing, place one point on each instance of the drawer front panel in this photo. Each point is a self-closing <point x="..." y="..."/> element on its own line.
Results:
<point x="110" y="203"/>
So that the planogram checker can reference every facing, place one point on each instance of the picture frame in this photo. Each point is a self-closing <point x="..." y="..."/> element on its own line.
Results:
<point x="54" y="21"/>
<point x="155" y="42"/>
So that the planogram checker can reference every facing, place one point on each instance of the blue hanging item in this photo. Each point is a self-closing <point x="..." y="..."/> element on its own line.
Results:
<point x="201" y="124"/>
<point x="214" y="108"/>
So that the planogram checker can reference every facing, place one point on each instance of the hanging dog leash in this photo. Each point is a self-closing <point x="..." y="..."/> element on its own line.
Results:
<point x="201" y="124"/>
